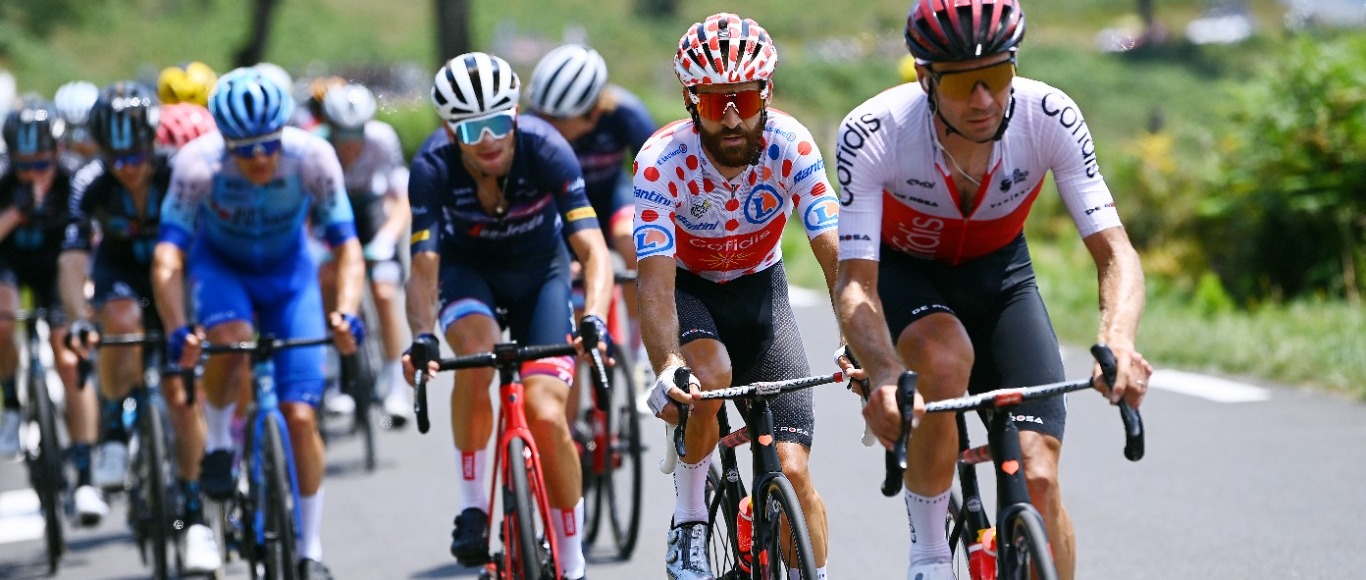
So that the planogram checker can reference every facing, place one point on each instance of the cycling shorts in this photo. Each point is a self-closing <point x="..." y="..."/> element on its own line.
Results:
<point x="753" y="318"/>
<point x="997" y="300"/>
<point x="282" y="302"/>
<point x="119" y="281"/>
<point x="43" y="286"/>
<point x="535" y="296"/>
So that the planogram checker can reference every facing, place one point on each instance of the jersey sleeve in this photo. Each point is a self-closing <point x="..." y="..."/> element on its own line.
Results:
<point x="636" y="120"/>
<point x="808" y="185"/>
<point x="428" y="180"/>
<point x="1072" y="158"/>
<point x="863" y="166"/>
<point x="562" y="175"/>
<point x="654" y="221"/>
<point x="79" y="234"/>
<point x="191" y="183"/>
<point x="322" y="179"/>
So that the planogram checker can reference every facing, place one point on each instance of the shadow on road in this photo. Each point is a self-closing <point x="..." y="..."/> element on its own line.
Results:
<point x="450" y="570"/>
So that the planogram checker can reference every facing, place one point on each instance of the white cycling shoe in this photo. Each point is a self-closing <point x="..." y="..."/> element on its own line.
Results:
<point x="397" y="405"/>
<point x="201" y="550"/>
<point x="10" y="420"/>
<point x="110" y="466"/>
<point x="338" y="403"/>
<point x="91" y="507"/>
<point x="937" y="571"/>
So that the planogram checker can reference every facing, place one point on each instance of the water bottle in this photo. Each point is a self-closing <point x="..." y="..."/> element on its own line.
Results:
<point x="982" y="555"/>
<point x="744" y="532"/>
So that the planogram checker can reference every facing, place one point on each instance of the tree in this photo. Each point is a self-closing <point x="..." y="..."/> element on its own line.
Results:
<point x="254" y="51"/>
<point x="452" y="29"/>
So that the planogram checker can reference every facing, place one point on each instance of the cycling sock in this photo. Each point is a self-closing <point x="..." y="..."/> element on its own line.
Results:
<point x="310" y="542"/>
<point x="219" y="423"/>
<point x="394" y="370"/>
<point x="690" y="491"/>
<point x="111" y="413"/>
<point x="568" y="524"/>
<point x="472" y="480"/>
<point x="194" y="505"/>
<point x="80" y="456"/>
<point x="795" y="574"/>
<point x="927" y="515"/>
<point x="11" y="390"/>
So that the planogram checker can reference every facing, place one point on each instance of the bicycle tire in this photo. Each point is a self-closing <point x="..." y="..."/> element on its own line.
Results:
<point x="521" y="546"/>
<point x="955" y="527"/>
<point x="1026" y="555"/>
<point x="46" y="470"/>
<point x="781" y="504"/>
<point x="153" y="485"/>
<point x="623" y="464"/>
<point x="362" y="391"/>
<point x="723" y="548"/>
<point x="280" y="532"/>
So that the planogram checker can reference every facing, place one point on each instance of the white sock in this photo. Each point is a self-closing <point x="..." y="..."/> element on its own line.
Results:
<point x="472" y="492"/>
<point x="929" y="545"/>
<point x="794" y="574"/>
<point x="310" y="542"/>
<point x="219" y="423"/>
<point x="394" y="370"/>
<point x="690" y="491"/>
<point x="568" y="526"/>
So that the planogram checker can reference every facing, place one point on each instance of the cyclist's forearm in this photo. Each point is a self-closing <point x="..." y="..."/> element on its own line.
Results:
<point x="826" y="248"/>
<point x="71" y="269"/>
<point x="9" y="219"/>
<point x="597" y="270"/>
<point x="659" y="330"/>
<point x="859" y="310"/>
<point x="168" y="285"/>
<point x="1121" y="283"/>
<point x="350" y="276"/>
<point x="399" y="215"/>
<point x="421" y="292"/>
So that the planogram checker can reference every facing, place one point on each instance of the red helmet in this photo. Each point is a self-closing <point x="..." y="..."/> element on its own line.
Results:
<point x="181" y="123"/>
<point x="725" y="49"/>
<point x="956" y="30"/>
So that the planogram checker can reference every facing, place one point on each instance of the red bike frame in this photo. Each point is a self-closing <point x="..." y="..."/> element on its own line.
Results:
<point x="512" y="425"/>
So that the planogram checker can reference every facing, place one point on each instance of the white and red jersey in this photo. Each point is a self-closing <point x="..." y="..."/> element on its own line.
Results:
<point x="895" y="185"/>
<point x="723" y="229"/>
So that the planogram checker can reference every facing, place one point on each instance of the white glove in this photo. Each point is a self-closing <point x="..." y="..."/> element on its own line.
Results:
<point x="664" y="382"/>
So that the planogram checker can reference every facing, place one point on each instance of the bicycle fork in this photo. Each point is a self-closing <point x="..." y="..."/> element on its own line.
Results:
<point x="512" y="425"/>
<point x="268" y="408"/>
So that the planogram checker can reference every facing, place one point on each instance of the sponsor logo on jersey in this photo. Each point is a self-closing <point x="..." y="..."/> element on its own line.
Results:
<point x="762" y="204"/>
<point x="1096" y="209"/>
<point x="580" y="213"/>
<point x="922" y="236"/>
<point x="823" y="214"/>
<point x="652" y="239"/>
<point x="651" y="196"/>
<point x="700" y="209"/>
<point x="702" y="226"/>
<point x="491" y="231"/>
<point x="1057" y="105"/>
<point x="919" y="183"/>
<point x="858" y="237"/>
<point x="1015" y="177"/>
<point x="912" y="198"/>
<point x="682" y="148"/>
<point x="853" y="135"/>
<point x="790" y="135"/>
<point x="421" y="236"/>
<point x="805" y="173"/>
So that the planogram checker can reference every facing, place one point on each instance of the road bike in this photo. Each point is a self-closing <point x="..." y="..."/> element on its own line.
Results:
<point x="1021" y="549"/>
<point x="529" y="548"/>
<point x="44" y="458"/>
<point x="777" y="540"/>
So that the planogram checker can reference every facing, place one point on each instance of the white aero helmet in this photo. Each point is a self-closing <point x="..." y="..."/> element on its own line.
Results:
<point x="725" y="49"/>
<point x="349" y="106"/>
<point x="567" y="81"/>
<point x="474" y="84"/>
<point x="74" y="100"/>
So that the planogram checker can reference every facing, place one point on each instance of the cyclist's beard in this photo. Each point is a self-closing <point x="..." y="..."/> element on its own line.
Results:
<point x="739" y="155"/>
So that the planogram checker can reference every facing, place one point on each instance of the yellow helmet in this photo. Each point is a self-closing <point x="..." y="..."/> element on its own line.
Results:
<point x="906" y="68"/>
<point x="190" y="83"/>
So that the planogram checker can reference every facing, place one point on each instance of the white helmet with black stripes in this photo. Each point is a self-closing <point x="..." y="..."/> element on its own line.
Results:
<point x="567" y="81"/>
<point x="474" y="84"/>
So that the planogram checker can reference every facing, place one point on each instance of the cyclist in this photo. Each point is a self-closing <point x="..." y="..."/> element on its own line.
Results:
<point x="73" y="101"/>
<point x="180" y="124"/>
<point x="712" y="196"/>
<point x="493" y="195"/>
<point x="603" y="123"/>
<point x="377" y="183"/>
<point x="234" y="222"/>
<point x="191" y="82"/>
<point x="35" y="196"/>
<point x="936" y="179"/>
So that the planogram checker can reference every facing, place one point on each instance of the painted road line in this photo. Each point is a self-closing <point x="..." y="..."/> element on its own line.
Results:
<point x="21" y="516"/>
<point x="1207" y="387"/>
<point x="804" y="297"/>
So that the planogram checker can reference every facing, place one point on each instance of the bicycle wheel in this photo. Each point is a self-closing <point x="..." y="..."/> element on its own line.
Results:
<point x="955" y="527"/>
<point x="280" y="532"/>
<point x="723" y="548"/>
<point x="360" y="384"/>
<point x="1026" y="556"/>
<point x="522" y="548"/>
<point x="789" y="543"/>
<point x="621" y="482"/>
<point x="45" y="468"/>
<point x="153" y="486"/>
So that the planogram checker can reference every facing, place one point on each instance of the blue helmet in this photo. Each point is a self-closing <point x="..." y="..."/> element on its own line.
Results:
<point x="247" y="104"/>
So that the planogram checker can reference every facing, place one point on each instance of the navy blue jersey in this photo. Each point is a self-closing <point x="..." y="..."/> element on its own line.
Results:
<point x="603" y="151"/>
<point x="544" y="191"/>
<point x="127" y="235"/>
<point x="36" y="242"/>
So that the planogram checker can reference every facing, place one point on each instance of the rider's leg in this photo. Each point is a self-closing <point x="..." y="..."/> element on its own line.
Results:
<point x="309" y="464"/>
<point x="471" y="408"/>
<point x="795" y="459"/>
<point x="545" y="400"/>
<point x="1041" y="454"/>
<point x="119" y="370"/>
<point x="710" y="363"/>
<point x="10" y="417"/>
<point x="82" y="406"/>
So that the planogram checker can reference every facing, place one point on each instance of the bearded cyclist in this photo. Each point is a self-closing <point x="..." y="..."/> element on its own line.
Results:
<point x="712" y="196"/>
<point x="937" y="177"/>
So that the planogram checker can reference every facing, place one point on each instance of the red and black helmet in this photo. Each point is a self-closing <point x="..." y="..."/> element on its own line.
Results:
<point x="956" y="30"/>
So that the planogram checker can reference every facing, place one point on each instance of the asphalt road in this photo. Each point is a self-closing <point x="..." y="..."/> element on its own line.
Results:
<point x="1239" y="481"/>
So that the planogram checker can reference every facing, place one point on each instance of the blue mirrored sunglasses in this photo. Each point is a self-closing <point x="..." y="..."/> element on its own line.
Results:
<point x="471" y="131"/>
<point x="37" y="165"/>
<point x="127" y="159"/>
<point x="248" y="148"/>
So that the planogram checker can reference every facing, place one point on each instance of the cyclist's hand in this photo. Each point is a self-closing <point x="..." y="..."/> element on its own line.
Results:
<point x="433" y="366"/>
<point x="183" y="346"/>
<point x="82" y="336"/>
<point x="594" y="326"/>
<point x="884" y="417"/>
<point x="347" y="332"/>
<point x="380" y="249"/>
<point x="665" y="390"/>
<point x="858" y="378"/>
<point x="1131" y="377"/>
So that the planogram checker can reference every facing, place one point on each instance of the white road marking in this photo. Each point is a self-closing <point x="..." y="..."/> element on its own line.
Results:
<point x="21" y="516"/>
<point x="1207" y="387"/>
<point x="803" y="297"/>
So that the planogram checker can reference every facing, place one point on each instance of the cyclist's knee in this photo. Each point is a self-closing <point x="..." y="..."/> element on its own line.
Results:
<point x="300" y="417"/>
<point x="121" y="317"/>
<point x="795" y="459"/>
<point x="1041" y="465"/>
<point x="938" y="348"/>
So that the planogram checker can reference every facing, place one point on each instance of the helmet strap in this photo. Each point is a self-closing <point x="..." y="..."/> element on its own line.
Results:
<point x="950" y="129"/>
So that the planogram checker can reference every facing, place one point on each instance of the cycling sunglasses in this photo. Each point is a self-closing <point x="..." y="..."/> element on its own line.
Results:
<point x="35" y="165"/>
<point x="265" y="145"/>
<point x="959" y="84"/>
<point x="355" y="134"/>
<point x="496" y="125"/>
<point x="126" y="159"/>
<point x="712" y="106"/>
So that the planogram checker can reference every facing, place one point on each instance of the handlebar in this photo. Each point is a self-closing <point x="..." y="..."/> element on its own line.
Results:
<point x="753" y="390"/>
<point x="504" y="355"/>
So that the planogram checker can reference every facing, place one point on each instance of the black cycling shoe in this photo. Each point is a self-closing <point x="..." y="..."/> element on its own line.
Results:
<point x="215" y="478"/>
<point x="469" y="540"/>
<point x="313" y="570"/>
